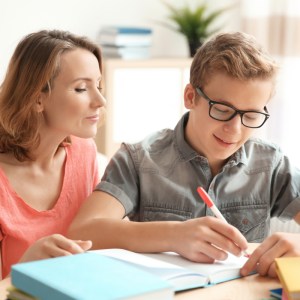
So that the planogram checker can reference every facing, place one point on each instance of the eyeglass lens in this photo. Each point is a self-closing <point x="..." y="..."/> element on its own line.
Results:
<point x="223" y="113"/>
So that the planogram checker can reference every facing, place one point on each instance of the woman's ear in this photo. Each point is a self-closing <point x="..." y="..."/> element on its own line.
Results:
<point x="40" y="102"/>
<point x="189" y="96"/>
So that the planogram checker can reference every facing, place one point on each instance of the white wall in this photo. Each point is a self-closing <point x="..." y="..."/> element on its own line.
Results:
<point x="85" y="17"/>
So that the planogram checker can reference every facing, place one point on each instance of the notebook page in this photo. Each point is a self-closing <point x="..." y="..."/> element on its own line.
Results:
<point x="231" y="263"/>
<point x="159" y="268"/>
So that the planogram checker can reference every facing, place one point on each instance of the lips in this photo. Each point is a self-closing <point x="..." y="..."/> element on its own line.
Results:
<point x="94" y="118"/>
<point x="225" y="143"/>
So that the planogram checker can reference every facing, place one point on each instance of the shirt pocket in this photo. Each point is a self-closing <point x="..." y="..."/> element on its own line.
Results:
<point x="250" y="220"/>
<point x="161" y="212"/>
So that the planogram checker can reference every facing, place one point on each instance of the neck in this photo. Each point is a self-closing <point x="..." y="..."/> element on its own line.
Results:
<point x="193" y="141"/>
<point x="48" y="148"/>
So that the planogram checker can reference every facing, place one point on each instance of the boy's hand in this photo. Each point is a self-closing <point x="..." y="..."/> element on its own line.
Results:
<point x="194" y="239"/>
<point x="53" y="246"/>
<point x="277" y="245"/>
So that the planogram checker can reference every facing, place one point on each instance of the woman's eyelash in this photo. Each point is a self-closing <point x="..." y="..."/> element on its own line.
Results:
<point x="83" y="90"/>
<point x="80" y="90"/>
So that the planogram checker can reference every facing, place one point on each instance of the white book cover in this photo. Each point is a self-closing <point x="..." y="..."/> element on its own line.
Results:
<point x="125" y="39"/>
<point x="126" y="52"/>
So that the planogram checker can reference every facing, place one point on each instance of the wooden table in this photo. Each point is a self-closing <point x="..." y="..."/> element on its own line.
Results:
<point x="252" y="287"/>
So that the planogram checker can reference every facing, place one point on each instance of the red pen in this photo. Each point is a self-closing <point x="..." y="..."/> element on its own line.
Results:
<point x="215" y="210"/>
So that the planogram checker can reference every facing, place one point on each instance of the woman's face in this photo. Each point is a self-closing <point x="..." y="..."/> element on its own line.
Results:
<point x="75" y="100"/>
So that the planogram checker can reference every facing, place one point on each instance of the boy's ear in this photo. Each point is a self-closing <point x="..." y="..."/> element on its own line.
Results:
<point x="40" y="102"/>
<point x="189" y="96"/>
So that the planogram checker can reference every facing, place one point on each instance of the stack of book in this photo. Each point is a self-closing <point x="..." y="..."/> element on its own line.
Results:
<point x="288" y="271"/>
<point x="113" y="274"/>
<point x="125" y="42"/>
<point x="85" y="276"/>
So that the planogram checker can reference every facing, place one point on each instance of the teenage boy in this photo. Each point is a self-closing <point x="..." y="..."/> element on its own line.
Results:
<point x="155" y="182"/>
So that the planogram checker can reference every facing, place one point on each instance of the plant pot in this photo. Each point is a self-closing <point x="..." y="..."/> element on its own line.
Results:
<point x="194" y="45"/>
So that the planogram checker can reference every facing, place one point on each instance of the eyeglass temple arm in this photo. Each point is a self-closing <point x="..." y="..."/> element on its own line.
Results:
<point x="202" y="95"/>
<point x="265" y="108"/>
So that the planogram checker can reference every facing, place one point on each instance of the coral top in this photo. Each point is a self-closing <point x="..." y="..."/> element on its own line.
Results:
<point x="21" y="225"/>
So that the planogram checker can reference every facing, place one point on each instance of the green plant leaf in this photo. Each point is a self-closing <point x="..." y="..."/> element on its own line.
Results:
<point x="194" y="24"/>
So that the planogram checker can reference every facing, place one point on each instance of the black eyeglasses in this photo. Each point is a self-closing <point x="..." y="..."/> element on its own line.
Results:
<point x="224" y="112"/>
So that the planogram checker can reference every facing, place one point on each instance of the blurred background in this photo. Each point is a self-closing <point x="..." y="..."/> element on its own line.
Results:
<point x="146" y="67"/>
<point x="144" y="86"/>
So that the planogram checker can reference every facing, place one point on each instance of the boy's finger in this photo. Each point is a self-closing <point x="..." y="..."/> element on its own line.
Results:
<point x="213" y="252"/>
<point x="256" y="256"/>
<point x="223" y="242"/>
<point x="268" y="258"/>
<point x="272" y="271"/>
<point x="202" y="258"/>
<point x="230" y="232"/>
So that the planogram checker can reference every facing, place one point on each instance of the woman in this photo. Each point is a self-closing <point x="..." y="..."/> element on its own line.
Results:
<point x="51" y="92"/>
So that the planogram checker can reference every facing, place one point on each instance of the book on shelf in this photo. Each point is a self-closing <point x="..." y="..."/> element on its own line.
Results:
<point x="288" y="271"/>
<point x="88" y="276"/>
<point x="125" y="36"/>
<point x="126" y="52"/>
<point x="182" y="273"/>
<point x="114" y="30"/>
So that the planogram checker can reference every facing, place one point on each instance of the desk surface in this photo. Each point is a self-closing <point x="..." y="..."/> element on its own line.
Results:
<point x="252" y="287"/>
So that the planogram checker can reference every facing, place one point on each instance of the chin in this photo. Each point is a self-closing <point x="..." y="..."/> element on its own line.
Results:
<point x="85" y="135"/>
<point x="224" y="156"/>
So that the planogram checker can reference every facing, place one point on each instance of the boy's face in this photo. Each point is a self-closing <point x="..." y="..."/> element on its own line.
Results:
<point x="217" y="140"/>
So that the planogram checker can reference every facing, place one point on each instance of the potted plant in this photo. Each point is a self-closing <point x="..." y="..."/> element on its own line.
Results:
<point x="194" y="24"/>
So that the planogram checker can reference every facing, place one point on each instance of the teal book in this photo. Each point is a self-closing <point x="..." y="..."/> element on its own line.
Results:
<point x="126" y="30"/>
<point x="88" y="276"/>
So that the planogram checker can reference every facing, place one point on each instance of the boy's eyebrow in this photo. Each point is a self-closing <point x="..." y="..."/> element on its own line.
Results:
<point x="86" y="79"/>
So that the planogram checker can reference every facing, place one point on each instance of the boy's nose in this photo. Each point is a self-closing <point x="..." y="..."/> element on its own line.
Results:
<point x="233" y="126"/>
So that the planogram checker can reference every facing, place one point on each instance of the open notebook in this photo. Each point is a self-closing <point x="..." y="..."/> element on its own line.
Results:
<point x="182" y="273"/>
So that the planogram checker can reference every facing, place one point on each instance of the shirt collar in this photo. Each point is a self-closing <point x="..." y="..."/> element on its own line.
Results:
<point x="186" y="153"/>
<point x="237" y="157"/>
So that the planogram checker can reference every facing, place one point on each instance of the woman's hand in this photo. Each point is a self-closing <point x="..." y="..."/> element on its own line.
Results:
<point x="53" y="246"/>
<point x="196" y="240"/>
<point x="277" y="245"/>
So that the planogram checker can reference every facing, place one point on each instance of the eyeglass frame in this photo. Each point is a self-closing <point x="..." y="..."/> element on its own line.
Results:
<point x="237" y="112"/>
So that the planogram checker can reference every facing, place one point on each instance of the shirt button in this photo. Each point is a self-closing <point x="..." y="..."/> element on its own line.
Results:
<point x="199" y="158"/>
<point x="211" y="187"/>
<point x="245" y="221"/>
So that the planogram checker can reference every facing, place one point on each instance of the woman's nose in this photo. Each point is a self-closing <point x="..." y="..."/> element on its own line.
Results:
<point x="99" y="100"/>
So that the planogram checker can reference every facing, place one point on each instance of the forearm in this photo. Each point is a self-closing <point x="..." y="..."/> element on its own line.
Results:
<point x="134" y="236"/>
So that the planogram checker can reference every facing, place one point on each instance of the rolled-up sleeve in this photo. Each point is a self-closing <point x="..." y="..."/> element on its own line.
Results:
<point x="120" y="180"/>
<point x="285" y="190"/>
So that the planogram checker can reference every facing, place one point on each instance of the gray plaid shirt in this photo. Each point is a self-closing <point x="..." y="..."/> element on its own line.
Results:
<point x="157" y="180"/>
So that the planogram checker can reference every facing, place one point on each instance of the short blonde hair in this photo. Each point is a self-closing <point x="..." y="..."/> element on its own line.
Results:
<point x="237" y="54"/>
<point x="32" y="69"/>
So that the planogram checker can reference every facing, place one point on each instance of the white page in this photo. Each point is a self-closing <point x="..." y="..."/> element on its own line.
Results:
<point x="232" y="262"/>
<point x="158" y="267"/>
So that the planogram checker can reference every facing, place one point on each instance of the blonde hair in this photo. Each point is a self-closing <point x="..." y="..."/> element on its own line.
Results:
<point x="32" y="69"/>
<point x="237" y="54"/>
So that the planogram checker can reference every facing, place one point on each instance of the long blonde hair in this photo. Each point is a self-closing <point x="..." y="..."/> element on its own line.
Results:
<point x="32" y="69"/>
